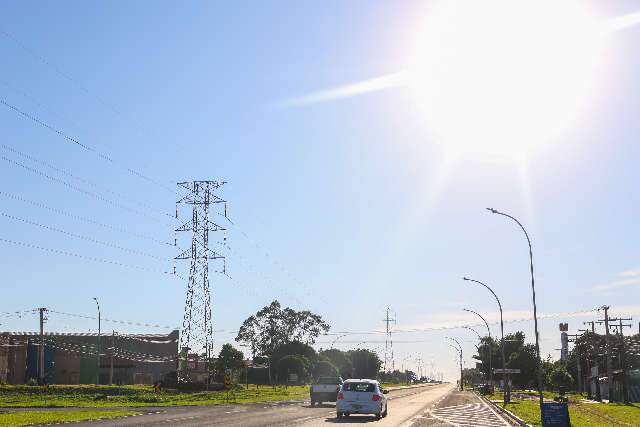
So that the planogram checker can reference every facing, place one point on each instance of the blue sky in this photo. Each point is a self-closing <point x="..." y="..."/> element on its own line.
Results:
<point x="337" y="204"/>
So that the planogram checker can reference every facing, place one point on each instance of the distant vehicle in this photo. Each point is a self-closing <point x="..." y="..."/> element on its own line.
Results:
<point x="325" y="389"/>
<point x="361" y="397"/>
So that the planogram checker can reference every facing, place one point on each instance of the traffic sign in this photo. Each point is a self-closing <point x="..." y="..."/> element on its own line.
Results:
<point x="555" y="414"/>
<point x="506" y="371"/>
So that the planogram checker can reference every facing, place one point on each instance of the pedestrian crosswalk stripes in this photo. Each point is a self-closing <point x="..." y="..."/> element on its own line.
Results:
<point x="467" y="415"/>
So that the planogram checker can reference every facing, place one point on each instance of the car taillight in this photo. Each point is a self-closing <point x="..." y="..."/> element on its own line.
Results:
<point x="340" y="396"/>
<point x="376" y="397"/>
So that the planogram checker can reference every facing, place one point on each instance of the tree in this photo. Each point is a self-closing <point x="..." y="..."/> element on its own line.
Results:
<point x="272" y="326"/>
<point x="472" y="376"/>
<point x="229" y="359"/>
<point x="294" y="348"/>
<point x="324" y="368"/>
<point x="559" y="376"/>
<point x="340" y="359"/>
<point x="519" y="355"/>
<point x="366" y="363"/>
<point x="293" y="364"/>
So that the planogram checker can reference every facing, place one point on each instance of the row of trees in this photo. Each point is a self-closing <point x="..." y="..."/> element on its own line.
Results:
<point x="280" y="341"/>
<point x="588" y="352"/>
<point x="518" y="354"/>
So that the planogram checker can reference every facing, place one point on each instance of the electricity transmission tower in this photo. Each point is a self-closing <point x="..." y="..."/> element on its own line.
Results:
<point x="388" y="343"/>
<point x="197" y="328"/>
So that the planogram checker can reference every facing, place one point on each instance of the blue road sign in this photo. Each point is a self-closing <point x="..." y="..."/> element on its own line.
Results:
<point x="555" y="414"/>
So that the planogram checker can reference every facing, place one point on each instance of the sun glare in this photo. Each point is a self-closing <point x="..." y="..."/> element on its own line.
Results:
<point x="501" y="78"/>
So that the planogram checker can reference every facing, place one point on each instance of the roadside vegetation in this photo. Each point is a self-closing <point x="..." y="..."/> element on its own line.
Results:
<point x="16" y="419"/>
<point x="526" y="406"/>
<point x="139" y="396"/>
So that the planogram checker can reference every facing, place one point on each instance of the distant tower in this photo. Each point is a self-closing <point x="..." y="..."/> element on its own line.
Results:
<point x="197" y="326"/>
<point x="389" y="362"/>
<point x="564" y="342"/>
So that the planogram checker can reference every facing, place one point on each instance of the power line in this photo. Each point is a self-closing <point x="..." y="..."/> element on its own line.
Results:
<point x="123" y="322"/>
<point x="71" y="175"/>
<point x="81" y="218"/>
<point x="72" y="140"/>
<point x="82" y="237"/>
<point x="65" y="75"/>
<point x="75" y="188"/>
<point x="461" y="325"/>
<point x="88" y="258"/>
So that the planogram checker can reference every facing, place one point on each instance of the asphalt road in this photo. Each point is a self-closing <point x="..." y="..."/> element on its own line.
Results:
<point x="438" y="405"/>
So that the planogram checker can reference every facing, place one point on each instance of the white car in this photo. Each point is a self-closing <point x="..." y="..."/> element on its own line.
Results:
<point x="361" y="397"/>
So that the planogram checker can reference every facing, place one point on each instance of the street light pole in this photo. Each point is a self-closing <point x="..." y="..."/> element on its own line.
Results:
<point x="478" y="347"/>
<point x="491" y="346"/>
<point x="460" y="350"/>
<point x="533" y="292"/>
<point x="98" y="349"/>
<point x="507" y="390"/>
<point x="337" y="338"/>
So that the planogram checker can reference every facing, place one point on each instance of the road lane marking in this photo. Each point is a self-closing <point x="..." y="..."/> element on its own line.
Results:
<point x="469" y="414"/>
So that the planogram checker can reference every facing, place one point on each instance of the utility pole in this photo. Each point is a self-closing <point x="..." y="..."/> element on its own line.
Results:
<point x="113" y="347"/>
<point x="459" y="349"/>
<point x="507" y="390"/>
<point x="388" y="342"/>
<point x="574" y="339"/>
<point x="41" y="375"/>
<point x="605" y="308"/>
<point x="623" y="355"/>
<point x="197" y="326"/>
<point x="98" y="347"/>
<point x="593" y="325"/>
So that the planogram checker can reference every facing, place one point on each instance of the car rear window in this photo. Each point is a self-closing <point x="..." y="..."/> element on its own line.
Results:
<point x="329" y="380"/>
<point x="359" y="387"/>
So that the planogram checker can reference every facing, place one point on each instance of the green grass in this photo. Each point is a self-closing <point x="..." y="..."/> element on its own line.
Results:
<point x="46" y="417"/>
<point x="90" y="396"/>
<point x="581" y="414"/>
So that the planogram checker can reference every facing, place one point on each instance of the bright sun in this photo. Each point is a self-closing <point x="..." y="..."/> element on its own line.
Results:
<point x="501" y="78"/>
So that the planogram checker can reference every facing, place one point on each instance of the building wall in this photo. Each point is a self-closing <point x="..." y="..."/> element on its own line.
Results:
<point x="69" y="358"/>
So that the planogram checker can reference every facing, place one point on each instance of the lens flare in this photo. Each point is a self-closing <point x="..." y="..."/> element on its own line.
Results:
<point x="503" y="77"/>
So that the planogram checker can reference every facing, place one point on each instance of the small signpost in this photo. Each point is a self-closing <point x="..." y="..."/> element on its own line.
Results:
<point x="506" y="371"/>
<point x="555" y="414"/>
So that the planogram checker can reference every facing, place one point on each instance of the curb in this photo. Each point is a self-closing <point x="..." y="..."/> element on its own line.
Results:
<point x="513" y="418"/>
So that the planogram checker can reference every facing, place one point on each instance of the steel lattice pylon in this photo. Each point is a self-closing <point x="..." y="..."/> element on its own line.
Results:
<point x="197" y="328"/>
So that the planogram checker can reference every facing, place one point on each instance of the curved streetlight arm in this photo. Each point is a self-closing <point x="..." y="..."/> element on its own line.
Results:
<point x="456" y="341"/>
<point x="480" y="316"/>
<point x="490" y="290"/>
<point x="337" y="338"/>
<point x="474" y="331"/>
<point x="533" y="292"/>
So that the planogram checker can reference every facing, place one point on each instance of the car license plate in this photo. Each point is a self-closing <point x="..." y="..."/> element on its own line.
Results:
<point x="357" y="406"/>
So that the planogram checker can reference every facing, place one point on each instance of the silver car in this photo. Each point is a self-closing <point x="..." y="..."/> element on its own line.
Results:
<point x="361" y="396"/>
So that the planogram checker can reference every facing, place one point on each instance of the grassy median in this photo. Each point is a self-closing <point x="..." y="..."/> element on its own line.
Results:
<point x="582" y="414"/>
<point x="90" y="396"/>
<point x="47" y="417"/>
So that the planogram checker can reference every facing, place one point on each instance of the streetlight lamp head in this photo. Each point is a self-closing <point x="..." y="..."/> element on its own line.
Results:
<point x="465" y="278"/>
<point x="492" y="210"/>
